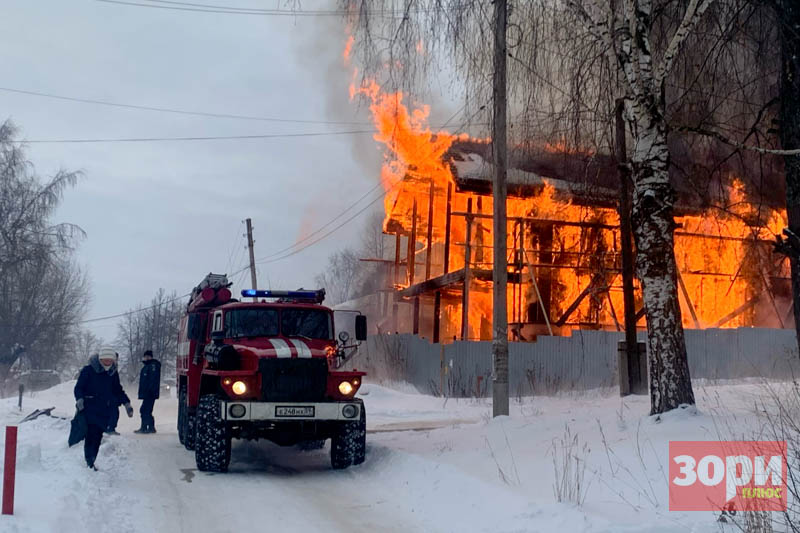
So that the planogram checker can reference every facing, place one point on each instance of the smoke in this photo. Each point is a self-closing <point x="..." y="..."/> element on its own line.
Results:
<point x="320" y="48"/>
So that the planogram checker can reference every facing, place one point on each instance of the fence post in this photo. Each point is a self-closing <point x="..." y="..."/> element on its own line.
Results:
<point x="21" y="391"/>
<point x="9" y="469"/>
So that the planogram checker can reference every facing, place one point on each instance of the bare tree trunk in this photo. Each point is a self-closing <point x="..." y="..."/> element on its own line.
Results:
<point x="652" y="217"/>
<point x="789" y="14"/>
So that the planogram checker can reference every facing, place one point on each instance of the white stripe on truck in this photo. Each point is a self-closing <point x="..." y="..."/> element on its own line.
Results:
<point x="302" y="348"/>
<point x="281" y="348"/>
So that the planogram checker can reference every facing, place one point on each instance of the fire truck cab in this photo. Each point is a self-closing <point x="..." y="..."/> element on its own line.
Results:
<point x="266" y="368"/>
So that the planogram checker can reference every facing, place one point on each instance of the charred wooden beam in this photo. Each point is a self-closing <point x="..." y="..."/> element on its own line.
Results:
<point x="416" y="316"/>
<point x="467" y="258"/>
<point x="396" y="259"/>
<point x="430" y="285"/>
<point x="447" y="228"/>
<point x="591" y="287"/>
<point x="736" y="312"/>
<point x="688" y="300"/>
<point x="720" y="237"/>
<point x="445" y="281"/>
<point x="545" y="314"/>
<point x="768" y="290"/>
<point x="437" y="319"/>
<point x="542" y="221"/>
<point x="614" y="313"/>
<point x="412" y="245"/>
<point x="429" y="236"/>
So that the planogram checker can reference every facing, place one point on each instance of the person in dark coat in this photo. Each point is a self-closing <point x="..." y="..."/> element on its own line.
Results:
<point x="149" y="389"/>
<point x="114" y="420"/>
<point x="97" y="393"/>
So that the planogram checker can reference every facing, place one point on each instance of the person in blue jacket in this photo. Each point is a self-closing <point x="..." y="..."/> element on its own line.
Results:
<point x="114" y="420"/>
<point x="97" y="393"/>
<point x="149" y="388"/>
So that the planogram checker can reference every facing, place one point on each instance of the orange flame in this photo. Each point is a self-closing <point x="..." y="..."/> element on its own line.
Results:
<point x="348" y="48"/>
<point x="571" y="251"/>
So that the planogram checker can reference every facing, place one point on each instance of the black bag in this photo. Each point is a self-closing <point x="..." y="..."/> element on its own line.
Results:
<point x="78" y="429"/>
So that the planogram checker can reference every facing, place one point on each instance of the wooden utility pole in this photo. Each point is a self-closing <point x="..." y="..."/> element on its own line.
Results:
<point x="788" y="12"/>
<point x="500" y="270"/>
<point x="252" y="256"/>
<point x="626" y="241"/>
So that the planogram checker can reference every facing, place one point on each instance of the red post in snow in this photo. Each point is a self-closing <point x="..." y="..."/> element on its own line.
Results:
<point x="9" y="469"/>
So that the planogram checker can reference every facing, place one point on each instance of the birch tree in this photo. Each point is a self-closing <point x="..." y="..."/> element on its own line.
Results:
<point x="625" y="29"/>
<point x="43" y="292"/>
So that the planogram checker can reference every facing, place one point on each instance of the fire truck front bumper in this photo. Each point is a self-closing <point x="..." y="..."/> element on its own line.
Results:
<point x="284" y="411"/>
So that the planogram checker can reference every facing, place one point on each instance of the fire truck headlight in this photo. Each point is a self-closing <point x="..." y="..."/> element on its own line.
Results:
<point x="349" y="411"/>
<point x="239" y="387"/>
<point x="346" y="388"/>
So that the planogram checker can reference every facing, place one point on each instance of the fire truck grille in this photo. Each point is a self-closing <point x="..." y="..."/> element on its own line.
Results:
<point x="293" y="380"/>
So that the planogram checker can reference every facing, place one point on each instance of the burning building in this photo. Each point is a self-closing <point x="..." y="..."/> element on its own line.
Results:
<point x="563" y="246"/>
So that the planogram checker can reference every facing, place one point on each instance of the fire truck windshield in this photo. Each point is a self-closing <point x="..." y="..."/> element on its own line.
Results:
<point x="306" y="323"/>
<point x="253" y="322"/>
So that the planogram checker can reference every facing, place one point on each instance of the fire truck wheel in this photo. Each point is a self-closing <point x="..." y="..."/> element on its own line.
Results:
<point x="213" y="440"/>
<point x="185" y="421"/>
<point x="190" y="431"/>
<point x="348" y="445"/>
<point x="182" y="415"/>
<point x="360" y="452"/>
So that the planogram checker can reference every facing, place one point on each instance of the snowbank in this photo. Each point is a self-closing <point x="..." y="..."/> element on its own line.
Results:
<point x="432" y="465"/>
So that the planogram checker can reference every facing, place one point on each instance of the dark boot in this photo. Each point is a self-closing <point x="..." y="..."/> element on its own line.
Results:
<point x="142" y="429"/>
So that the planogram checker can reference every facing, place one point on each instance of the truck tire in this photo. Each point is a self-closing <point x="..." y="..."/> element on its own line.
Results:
<point x="185" y="421"/>
<point x="212" y="439"/>
<point x="190" y="431"/>
<point x="348" y="445"/>
<point x="360" y="452"/>
<point x="182" y="415"/>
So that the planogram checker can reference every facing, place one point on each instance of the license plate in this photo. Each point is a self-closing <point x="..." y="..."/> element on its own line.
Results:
<point x="290" y="411"/>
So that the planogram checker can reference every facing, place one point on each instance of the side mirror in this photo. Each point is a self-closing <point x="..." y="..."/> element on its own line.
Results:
<point x="361" y="327"/>
<point x="217" y="336"/>
<point x="344" y="337"/>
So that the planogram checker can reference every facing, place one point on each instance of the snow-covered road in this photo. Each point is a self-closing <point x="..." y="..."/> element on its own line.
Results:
<point x="431" y="466"/>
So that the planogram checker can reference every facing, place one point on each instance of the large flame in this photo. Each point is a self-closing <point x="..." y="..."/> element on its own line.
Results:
<point x="723" y="255"/>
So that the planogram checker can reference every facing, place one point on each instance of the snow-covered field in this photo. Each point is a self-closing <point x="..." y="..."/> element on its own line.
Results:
<point x="432" y="465"/>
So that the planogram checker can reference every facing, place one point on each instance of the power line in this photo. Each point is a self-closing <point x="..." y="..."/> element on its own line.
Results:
<point x="209" y="114"/>
<point x="100" y="318"/>
<point x="332" y="230"/>
<point x="171" y="139"/>
<point x="211" y="8"/>
<point x="232" y="251"/>
<point x="324" y="226"/>
<point x="182" y="6"/>
<point x="179" y="111"/>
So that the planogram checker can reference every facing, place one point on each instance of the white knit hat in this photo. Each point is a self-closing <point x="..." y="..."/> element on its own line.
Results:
<point x="107" y="352"/>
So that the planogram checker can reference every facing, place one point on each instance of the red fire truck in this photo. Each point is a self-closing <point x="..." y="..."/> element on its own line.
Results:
<point x="266" y="368"/>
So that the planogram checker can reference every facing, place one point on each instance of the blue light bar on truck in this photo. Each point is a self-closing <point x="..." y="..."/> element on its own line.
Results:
<point x="314" y="296"/>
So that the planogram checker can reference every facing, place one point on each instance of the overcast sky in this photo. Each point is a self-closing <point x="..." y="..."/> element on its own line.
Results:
<point x="163" y="214"/>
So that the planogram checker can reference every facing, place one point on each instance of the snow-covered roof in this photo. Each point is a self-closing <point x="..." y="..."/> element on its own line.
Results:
<point x="473" y="172"/>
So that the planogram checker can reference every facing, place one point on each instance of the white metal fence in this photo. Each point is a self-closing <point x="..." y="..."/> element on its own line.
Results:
<point x="585" y="360"/>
